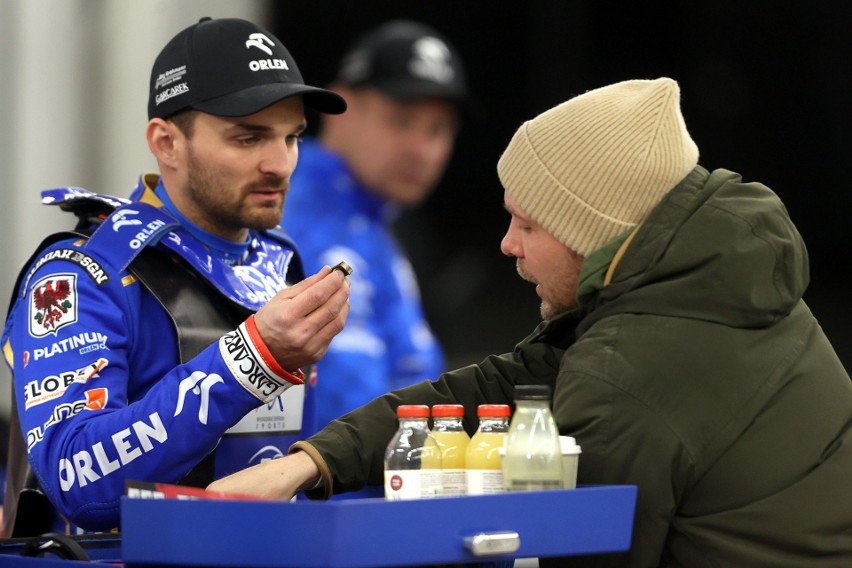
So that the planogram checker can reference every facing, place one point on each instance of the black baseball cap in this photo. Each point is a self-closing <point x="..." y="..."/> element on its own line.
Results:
<point x="229" y="67"/>
<point x="406" y="60"/>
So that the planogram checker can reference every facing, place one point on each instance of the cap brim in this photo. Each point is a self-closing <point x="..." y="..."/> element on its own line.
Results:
<point x="255" y="99"/>
<point x="409" y="89"/>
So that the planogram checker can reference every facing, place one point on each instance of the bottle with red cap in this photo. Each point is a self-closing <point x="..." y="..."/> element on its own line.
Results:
<point x="483" y="463"/>
<point x="412" y="458"/>
<point x="448" y="431"/>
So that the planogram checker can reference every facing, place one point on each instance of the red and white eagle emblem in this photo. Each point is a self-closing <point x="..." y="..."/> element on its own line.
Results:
<point x="54" y="304"/>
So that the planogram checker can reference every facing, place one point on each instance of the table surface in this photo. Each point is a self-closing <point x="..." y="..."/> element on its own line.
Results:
<point x="374" y="532"/>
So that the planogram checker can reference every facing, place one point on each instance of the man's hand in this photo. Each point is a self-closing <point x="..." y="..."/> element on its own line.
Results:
<point x="299" y="322"/>
<point x="281" y="478"/>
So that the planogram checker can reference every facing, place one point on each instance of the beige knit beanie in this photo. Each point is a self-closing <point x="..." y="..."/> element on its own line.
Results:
<point x="594" y="166"/>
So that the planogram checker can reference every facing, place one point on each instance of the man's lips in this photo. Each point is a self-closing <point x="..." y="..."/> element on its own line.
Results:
<point x="267" y="192"/>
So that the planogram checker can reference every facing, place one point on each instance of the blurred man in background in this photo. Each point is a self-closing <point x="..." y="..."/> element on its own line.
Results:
<point x="404" y="84"/>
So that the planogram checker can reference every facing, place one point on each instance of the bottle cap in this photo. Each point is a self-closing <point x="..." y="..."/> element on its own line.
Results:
<point x="442" y="410"/>
<point x="412" y="411"/>
<point x="532" y="392"/>
<point x="493" y="410"/>
<point x="569" y="446"/>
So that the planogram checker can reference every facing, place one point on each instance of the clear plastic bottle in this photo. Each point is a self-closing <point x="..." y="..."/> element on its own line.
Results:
<point x="412" y="458"/>
<point x="533" y="459"/>
<point x="448" y="431"/>
<point x="482" y="460"/>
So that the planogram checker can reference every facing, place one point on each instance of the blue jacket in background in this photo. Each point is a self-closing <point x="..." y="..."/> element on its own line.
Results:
<point x="387" y="343"/>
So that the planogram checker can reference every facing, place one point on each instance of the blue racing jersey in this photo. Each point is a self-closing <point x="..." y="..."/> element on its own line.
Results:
<point x="387" y="343"/>
<point x="102" y="392"/>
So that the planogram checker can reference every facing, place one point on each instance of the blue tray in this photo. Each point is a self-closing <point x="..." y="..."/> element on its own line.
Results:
<point x="375" y="532"/>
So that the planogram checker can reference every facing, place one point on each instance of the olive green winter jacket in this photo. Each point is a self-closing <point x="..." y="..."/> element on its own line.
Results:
<point x="695" y="371"/>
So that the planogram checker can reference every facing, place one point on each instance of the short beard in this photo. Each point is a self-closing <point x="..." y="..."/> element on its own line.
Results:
<point x="547" y="309"/>
<point x="218" y="210"/>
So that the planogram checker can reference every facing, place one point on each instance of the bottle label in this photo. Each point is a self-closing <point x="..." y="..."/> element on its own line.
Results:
<point x="401" y="484"/>
<point x="533" y="459"/>
<point x="453" y="482"/>
<point x="484" y="481"/>
<point x="534" y="484"/>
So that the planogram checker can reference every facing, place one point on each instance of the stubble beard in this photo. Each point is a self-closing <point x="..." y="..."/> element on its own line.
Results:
<point x="225" y="210"/>
<point x="548" y="309"/>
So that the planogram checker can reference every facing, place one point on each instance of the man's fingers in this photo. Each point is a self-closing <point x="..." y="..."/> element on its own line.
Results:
<point x="297" y="329"/>
<point x="299" y="287"/>
<point x="314" y="297"/>
<point x="328" y="320"/>
<point x="321" y="325"/>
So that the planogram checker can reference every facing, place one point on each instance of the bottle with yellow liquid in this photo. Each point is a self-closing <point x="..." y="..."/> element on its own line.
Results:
<point x="482" y="459"/>
<point x="412" y="458"/>
<point x="448" y="431"/>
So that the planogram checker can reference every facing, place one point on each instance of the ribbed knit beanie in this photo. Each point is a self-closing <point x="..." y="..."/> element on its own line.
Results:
<point x="594" y="166"/>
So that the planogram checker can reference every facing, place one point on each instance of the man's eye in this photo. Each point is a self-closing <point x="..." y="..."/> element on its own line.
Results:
<point x="247" y="140"/>
<point x="294" y="139"/>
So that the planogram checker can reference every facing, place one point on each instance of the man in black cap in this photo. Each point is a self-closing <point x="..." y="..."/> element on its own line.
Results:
<point x="404" y="84"/>
<point x="177" y="321"/>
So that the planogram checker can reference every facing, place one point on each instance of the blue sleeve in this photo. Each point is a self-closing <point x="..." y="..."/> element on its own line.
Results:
<point x="99" y="391"/>
<point x="415" y="352"/>
<point x="387" y="342"/>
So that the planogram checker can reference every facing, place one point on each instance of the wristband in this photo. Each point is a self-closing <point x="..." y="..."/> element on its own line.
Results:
<point x="252" y="364"/>
<point x="296" y="377"/>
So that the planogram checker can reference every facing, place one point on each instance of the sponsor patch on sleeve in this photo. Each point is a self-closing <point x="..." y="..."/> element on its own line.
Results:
<point x="94" y="399"/>
<point x="54" y="386"/>
<point x="92" y="267"/>
<point x="53" y="304"/>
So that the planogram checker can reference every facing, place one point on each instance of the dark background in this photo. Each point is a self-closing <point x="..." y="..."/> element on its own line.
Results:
<point x="765" y="92"/>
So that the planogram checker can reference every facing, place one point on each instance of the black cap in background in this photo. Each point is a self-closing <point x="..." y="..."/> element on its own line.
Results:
<point x="405" y="60"/>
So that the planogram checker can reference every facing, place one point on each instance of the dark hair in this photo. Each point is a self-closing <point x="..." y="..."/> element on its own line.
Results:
<point x="185" y="121"/>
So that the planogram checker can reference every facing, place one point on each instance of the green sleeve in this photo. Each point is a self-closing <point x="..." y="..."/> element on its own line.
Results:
<point x="353" y="446"/>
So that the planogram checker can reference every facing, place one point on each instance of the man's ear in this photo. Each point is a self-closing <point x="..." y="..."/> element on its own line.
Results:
<point x="165" y="140"/>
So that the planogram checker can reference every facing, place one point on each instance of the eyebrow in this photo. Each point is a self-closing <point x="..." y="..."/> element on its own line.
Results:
<point x="515" y="213"/>
<point x="301" y="127"/>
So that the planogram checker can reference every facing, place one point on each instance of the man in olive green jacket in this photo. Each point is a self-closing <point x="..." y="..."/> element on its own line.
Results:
<point x="682" y="357"/>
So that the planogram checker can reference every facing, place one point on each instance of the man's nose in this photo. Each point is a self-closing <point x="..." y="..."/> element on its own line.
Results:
<point x="280" y="159"/>
<point x="424" y="142"/>
<point x="509" y="245"/>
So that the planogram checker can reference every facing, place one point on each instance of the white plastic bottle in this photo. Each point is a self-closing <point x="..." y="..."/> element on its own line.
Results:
<point x="412" y="458"/>
<point x="533" y="459"/>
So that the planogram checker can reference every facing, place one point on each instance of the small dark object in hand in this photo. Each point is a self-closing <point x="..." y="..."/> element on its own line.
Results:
<point x="343" y="267"/>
